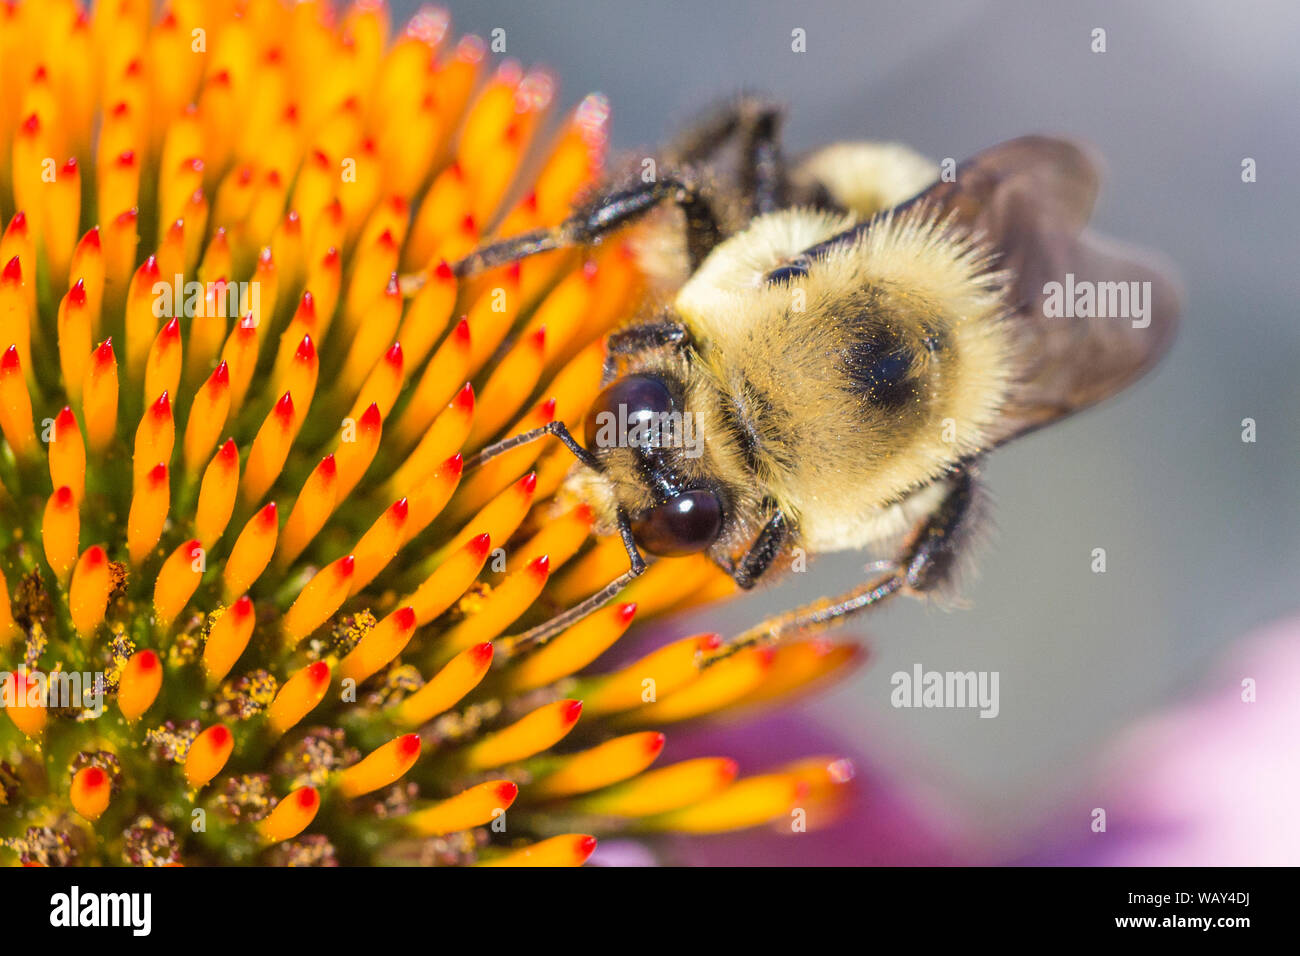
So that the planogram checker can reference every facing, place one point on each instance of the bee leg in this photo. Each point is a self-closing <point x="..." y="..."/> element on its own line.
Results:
<point x="931" y="551"/>
<point x="925" y="563"/>
<point x="539" y="635"/>
<point x="607" y="213"/>
<point x="763" y="174"/>
<point x="557" y="429"/>
<point x="811" y="618"/>
<point x="761" y="553"/>
<point x="757" y="123"/>
<point x="715" y="128"/>
<point x="640" y="338"/>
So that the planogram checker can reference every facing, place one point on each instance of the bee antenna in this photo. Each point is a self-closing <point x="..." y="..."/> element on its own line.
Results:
<point x="539" y="635"/>
<point x="557" y="429"/>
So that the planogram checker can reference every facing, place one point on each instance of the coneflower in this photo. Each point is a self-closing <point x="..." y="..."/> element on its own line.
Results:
<point x="253" y="609"/>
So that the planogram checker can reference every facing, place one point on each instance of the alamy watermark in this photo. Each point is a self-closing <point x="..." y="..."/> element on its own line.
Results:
<point x="133" y="911"/>
<point x="946" y="689"/>
<point x="192" y="299"/>
<point x="1083" y="299"/>
<point x="644" y="429"/>
<point x="61" y="690"/>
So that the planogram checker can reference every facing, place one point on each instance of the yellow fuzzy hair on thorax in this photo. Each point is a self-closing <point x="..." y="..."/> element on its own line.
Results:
<point x="832" y="459"/>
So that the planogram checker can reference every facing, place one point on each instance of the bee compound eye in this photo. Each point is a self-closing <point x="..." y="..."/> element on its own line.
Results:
<point x="686" y="523"/>
<point x="796" y="268"/>
<point x="631" y="406"/>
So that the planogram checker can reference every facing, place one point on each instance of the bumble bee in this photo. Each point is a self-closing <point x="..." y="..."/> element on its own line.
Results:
<point x="849" y="334"/>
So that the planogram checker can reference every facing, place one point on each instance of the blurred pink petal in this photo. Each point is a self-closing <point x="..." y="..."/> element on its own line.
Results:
<point x="1211" y="783"/>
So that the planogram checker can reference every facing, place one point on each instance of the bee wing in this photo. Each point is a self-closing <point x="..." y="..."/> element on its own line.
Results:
<point x="1071" y="363"/>
<point x="1030" y="198"/>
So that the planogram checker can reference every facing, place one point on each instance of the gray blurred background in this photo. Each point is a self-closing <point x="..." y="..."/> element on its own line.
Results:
<point x="1200" y="529"/>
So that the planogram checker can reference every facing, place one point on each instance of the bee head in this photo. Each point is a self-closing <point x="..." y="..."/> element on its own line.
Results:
<point x="639" y="421"/>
